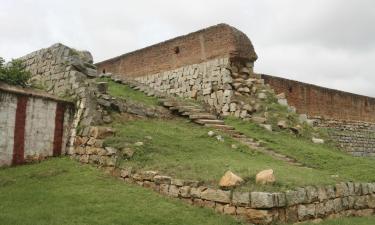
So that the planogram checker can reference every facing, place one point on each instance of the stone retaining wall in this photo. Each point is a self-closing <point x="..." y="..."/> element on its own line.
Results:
<point x="302" y="204"/>
<point x="33" y="125"/>
<point x="228" y="87"/>
<point x="355" y="137"/>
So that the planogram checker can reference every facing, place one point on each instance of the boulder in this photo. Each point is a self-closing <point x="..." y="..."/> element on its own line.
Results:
<point x="265" y="177"/>
<point x="230" y="180"/>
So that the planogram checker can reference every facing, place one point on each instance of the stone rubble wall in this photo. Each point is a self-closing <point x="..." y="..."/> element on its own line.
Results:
<point x="355" y="137"/>
<point x="33" y="125"/>
<point x="302" y="204"/>
<point x="66" y="72"/>
<point x="229" y="88"/>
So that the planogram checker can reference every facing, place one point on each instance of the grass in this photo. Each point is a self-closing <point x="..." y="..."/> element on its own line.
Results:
<point x="348" y="221"/>
<point x="320" y="157"/>
<point x="60" y="191"/>
<point x="126" y="92"/>
<point x="183" y="150"/>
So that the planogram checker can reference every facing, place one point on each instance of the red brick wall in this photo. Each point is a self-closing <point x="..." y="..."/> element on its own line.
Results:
<point x="217" y="41"/>
<point x="319" y="101"/>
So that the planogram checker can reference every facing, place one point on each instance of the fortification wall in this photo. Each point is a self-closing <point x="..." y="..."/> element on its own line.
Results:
<point x="33" y="125"/>
<point x="318" y="101"/>
<point x="220" y="41"/>
<point x="349" y="118"/>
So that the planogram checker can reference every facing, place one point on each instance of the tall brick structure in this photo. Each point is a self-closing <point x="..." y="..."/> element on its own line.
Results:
<point x="213" y="42"/>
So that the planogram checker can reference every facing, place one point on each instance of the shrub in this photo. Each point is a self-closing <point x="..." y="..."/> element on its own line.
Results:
<point x="14" y="73"/>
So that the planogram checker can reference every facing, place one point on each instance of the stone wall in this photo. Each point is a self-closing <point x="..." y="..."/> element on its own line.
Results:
<point x="220" y="41"/>
<point x="355" y="137"/>
<point x="33" y="125"/>
<point x="66" y="72"/>
<point x="301" y="204"/>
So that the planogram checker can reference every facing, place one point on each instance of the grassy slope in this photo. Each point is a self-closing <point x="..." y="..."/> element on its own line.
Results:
<point x="60" y="191"/>
<point x="321" y="157"/>
<point x="184" y="150"/>
<point x="125" y="92"/>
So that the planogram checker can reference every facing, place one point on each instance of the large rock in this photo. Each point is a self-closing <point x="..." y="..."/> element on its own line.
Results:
<point x="265" y="177"/>
<point x="230" y="180"/>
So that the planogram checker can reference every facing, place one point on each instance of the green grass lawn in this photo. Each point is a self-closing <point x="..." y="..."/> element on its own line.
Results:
<point x="184" y="150"/>
<point x="321" y="157"/>
<point x="125" y="92"/>
<point x="61" y="191"/>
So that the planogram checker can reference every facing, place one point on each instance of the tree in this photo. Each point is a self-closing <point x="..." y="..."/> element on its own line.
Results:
<point x="14" y="73"/>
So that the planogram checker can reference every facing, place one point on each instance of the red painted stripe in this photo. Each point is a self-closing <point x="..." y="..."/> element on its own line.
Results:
<point x="19" y="131"/>
<point x="59" y="123"/>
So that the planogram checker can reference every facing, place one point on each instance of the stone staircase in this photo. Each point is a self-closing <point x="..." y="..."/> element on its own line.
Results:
<point x="199" y="114"/>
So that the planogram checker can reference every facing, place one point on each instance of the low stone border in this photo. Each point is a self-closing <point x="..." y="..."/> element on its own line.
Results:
<point x="301" y="204"/>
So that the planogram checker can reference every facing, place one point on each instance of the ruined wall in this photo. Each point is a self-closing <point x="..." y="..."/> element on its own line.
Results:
<point x="349" y="118"/>
<point x="318" y="101"/>
<point x="214" y="42"/>
<point x="33" y="125"/>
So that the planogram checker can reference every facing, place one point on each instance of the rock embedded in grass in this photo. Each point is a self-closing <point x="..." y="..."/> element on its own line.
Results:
<point x="138" y="144"/>
<point x="265" y="177"/>
<point x="317" y="140"/>
<point x="210" y="133"/>
<point x="230" y="180"/>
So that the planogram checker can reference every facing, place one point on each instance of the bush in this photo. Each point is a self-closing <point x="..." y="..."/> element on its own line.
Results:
<point x="14" y="73"/>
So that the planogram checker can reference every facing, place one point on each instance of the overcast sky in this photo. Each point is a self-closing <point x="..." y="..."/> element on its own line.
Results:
<point x="325" y="42"/>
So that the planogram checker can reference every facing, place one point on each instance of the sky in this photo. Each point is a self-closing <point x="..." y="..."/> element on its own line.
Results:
<point x="329" y="43"/>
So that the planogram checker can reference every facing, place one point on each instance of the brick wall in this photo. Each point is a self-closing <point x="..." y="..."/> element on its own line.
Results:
<point x="32" y="125"/>
<point x="214" y="42"/>
<point x="318" y="101"/>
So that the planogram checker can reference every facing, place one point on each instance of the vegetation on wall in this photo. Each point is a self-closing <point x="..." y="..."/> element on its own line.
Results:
<point x="14" y="73"/>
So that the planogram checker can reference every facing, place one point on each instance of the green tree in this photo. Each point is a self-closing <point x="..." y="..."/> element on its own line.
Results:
<point x="14" y="73"/>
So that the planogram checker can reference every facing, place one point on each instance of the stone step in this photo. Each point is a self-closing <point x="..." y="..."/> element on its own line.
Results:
<point x="207" y="121"/>
<point x="219" y="126"/>
<point x="203" y="116"/>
